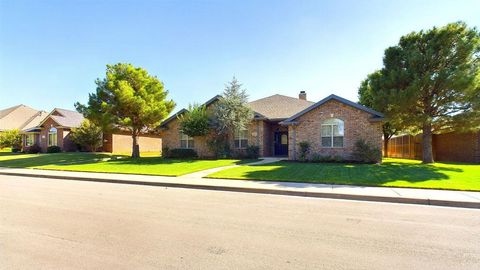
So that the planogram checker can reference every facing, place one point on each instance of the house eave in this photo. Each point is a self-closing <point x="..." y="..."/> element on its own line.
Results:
<point x="377" y="119"/>
<point x="339" y="99"/>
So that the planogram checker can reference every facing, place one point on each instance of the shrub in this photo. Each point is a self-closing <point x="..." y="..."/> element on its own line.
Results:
<point x="238" y="154"/>
<point x="182" y="153"/>
<point x="166" y="151"/>
<point x="34" y="149"/>
<point x="337" y="159"/>
<point x="88" y="135"/>
<point x="316" y="158"/>
<point x="16" y="150"/>
<point x="303" y="151"/>
<point x="54" y="149"/>
<point x="11" y="138"/>
<point x="319" y="158"/>
<point x="366" y="153"/>
<point x="253" y="151"/>
<point x="218" y="146"/>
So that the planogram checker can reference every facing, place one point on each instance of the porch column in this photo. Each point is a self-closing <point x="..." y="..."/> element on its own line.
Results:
<point x="294" y="139"/>
<point x="258" y="133"/>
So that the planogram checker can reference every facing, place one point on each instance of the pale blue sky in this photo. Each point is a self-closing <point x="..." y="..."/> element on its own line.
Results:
<point x="52" y="51"/>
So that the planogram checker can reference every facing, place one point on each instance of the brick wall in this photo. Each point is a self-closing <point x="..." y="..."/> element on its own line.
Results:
<point x="171" y="138"/>
<point x="43" y="138"/>
<point x="357" y="125"/>
<point x="122" y="143"/>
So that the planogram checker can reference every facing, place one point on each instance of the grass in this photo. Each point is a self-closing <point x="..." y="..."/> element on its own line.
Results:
<point x="391" y="173"/>
<point x="104" y="162"/>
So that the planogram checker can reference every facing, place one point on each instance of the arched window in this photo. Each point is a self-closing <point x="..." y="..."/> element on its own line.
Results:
<point x="332" y="132"/>
<point x="52" y="137"/>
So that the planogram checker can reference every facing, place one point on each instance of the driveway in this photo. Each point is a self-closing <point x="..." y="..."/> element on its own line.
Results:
<point x="55" y="224"/>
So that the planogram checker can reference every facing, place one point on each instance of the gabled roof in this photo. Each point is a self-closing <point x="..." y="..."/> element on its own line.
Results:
<point x="375" y="115"/>
<point x="7" y="111"/>
<point x="278" y="107"/>
<point x="65" y="118"/>
<point x="16" y="117"/>
<point x="33" y="123"/>
<point x="174" y="116"/>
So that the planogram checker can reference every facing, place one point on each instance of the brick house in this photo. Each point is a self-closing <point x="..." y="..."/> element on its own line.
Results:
<point x="331" y="126"/>
<point x="54" y="130"/>
<point x="23" y="118"/>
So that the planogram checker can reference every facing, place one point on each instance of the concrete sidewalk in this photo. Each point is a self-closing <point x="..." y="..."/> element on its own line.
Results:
<point x="466" y="199"/>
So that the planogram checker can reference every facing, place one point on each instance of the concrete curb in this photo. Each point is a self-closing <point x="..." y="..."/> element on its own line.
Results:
<point x="462" y="204"/>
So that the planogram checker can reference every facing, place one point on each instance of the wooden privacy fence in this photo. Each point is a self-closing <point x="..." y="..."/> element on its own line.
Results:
<point x="454" y="146"/>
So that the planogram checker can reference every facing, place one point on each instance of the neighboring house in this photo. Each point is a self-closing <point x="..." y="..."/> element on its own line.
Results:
<point x="23" y="118"/>
<point x="54" y="129"/>
<point x="331" y="126"/>
<point x="18" y="117"/>
<point x="452" y="146"/>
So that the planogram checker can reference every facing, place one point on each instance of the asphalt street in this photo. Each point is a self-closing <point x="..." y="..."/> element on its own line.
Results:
<point x="65" y="224"/>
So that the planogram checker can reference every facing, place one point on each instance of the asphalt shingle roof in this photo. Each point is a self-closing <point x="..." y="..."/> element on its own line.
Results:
<point x="35" y="121"/>
<point x="67" y="118"/>
<point x="16" y="117"/>
<point x="278" y="107"/>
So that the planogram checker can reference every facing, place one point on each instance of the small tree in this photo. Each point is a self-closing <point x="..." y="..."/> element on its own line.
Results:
<point x="88" y="135"/>
<point x="195" y="121"/>
<point x="128" y="98"/>
<point x="435" y="78"/>
<point x="231" y="113"/>
<point x="11" y="138"/>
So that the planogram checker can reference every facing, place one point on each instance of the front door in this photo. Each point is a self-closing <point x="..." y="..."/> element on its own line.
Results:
<point x="281" y="143"/>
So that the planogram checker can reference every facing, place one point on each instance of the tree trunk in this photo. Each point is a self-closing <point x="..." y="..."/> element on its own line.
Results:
<point x="135" y="146"/>
<point x="386" y="140"/>
<point x="427" y="152"/>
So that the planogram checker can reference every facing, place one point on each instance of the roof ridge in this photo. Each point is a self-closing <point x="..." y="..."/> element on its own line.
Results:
<point x="281" y="95"/>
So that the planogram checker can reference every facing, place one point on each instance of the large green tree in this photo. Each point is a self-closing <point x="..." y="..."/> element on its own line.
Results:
<point x="435" y="79"/>
<point x="372" y="93"/>
<point x="231" y="112"/>
<point x="128" y="98"/>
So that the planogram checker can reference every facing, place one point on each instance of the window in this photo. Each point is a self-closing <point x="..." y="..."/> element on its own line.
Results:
<point x="186" y="141"/>
<point x="332" y="133"/>
<point x="29" y="139"/>
<point x="240" y="139"/>
<point x="52" y="137"/>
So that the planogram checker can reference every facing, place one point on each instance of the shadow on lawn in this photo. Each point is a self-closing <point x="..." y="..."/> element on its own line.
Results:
<point x="3" y="154"/>
<point x="350" y="174"/>
<point x="66" y="159"/>
<point x="146" y="161"/>
<point x="34" y="160"/>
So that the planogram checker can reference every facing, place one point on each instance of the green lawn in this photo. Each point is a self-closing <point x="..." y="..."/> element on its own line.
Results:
<point x="392" y="173"/>
<point x="88" y="162"/>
